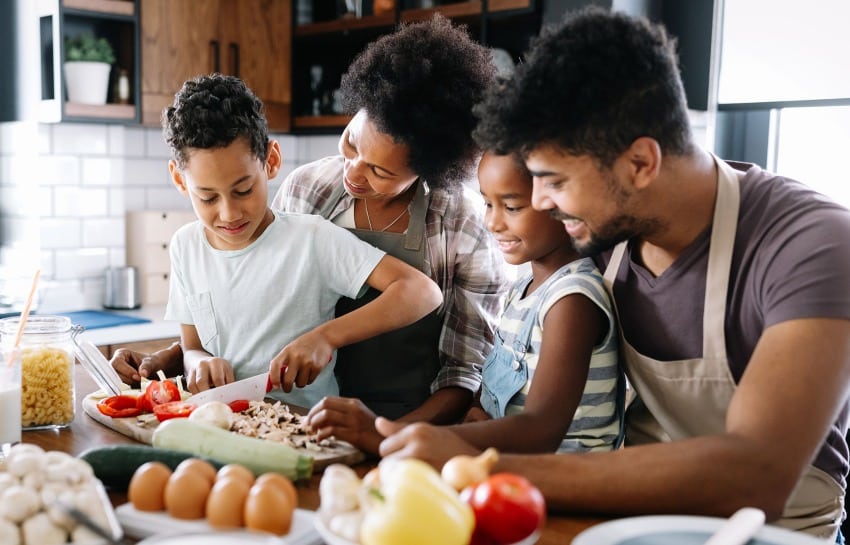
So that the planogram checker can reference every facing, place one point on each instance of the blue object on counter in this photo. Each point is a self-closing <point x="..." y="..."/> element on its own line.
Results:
<point x="96" y="319"/>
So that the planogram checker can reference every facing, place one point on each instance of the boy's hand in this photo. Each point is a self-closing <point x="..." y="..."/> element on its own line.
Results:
<point x="208" y="373"/>
<point x="131" y="366"/>
<point x="301" y="361"/>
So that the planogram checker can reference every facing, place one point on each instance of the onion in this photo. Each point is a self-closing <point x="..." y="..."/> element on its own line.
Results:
<point x="462" y="471"/>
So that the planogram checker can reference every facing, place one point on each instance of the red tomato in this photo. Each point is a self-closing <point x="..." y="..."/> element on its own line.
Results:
<point x="508" y="508"/>
<point x="157" y="392"/>
<point x="172" y="409"/>
<point x="239" y="405"/>
<point x="120" y="406"/>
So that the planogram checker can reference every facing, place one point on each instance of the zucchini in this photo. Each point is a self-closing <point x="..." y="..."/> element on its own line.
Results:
<point x="114" y="465"/>
<point x="258" y="455"/>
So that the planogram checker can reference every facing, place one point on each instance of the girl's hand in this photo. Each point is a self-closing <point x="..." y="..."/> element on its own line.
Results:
<point x="347" y="419"/>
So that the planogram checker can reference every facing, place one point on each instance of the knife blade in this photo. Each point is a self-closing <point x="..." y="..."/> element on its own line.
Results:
<point x="251" y="388"/>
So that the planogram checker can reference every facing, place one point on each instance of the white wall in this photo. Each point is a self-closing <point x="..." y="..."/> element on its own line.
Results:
<point x="64" y="191"/>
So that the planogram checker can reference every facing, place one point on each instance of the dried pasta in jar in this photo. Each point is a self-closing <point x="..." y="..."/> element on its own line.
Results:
<point x="47" y="387"/>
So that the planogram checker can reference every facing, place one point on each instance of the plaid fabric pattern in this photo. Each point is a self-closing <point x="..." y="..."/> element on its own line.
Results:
<point x="461" y="257"/>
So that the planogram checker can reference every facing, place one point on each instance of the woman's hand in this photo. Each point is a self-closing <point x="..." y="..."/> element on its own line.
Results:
<point x="432" y="444"/>
<point x="301" y="361"/>
<point x="347" y="419"/>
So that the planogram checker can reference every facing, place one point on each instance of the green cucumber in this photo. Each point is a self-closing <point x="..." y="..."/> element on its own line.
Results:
<point x="114" y="465"/>
<point x="258" y="455"/>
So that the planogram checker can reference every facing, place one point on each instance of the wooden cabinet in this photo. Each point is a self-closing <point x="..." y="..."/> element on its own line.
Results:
<point x="148" y="238"/>
<point x="114" y="20"/>
<point x="322" y="50"/>
<point x="246" y="38"/>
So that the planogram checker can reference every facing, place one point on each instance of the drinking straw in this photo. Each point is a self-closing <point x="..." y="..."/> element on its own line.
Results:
<point x="24" y="315"/>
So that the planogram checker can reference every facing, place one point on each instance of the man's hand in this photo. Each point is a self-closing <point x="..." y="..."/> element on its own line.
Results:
<point x="432" y="444"/>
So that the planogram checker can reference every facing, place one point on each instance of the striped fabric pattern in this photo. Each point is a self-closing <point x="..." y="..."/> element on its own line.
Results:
<point x="596" y="423"/>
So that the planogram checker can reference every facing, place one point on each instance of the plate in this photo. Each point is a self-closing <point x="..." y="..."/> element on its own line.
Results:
<point x="331" y="538"/>
<point x="159" y="524"/>
<point x="679" y="530"/>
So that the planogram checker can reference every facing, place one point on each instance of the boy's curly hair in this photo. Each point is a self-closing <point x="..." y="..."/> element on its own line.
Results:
<point x="591" y="85"/>
<point x="211" y="112"/>
<point x="419" y="85"/>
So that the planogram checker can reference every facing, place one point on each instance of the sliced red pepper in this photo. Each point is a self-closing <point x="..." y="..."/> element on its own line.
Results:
<point x="172" y="409"/>
<point x="239" y="405"/>
<point x="120" y="406"/>
<point x="158" y="392"/>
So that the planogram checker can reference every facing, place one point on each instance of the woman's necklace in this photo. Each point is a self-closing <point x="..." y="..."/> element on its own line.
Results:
<point x="369" y="219"/>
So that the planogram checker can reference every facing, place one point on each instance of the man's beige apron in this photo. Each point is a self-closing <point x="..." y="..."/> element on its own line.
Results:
<point x="687" y="398"/>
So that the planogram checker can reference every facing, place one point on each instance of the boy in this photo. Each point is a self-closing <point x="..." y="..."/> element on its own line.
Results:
<point x="255" y="290"/>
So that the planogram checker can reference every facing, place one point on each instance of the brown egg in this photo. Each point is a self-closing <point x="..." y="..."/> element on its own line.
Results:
<point x="147" y="486"/>
<point x="281" y="482"/>
<point x="226" y="502"/>
<point x="235" y="470"/>
<point x="268" y="509"/>
<point x="203" y="467"/>
<point x="186" y="494"/>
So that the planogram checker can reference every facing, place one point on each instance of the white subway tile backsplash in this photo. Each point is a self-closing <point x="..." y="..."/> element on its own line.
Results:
<point x="78" y="138"/>
<point x="133" y="199"/>
<point x="118" y="256"/>
<point x="126" y="141"/>
<point x="167" y="199"/>
<point x="63" y="295"/>
<point x="317" y="147"/>
<point x="79" y="202"/>
<point x="47" y="263"/>
<point x="155" y="144"/>
<point x="81" y="263"/>
<point x="45" y="139"/>
<point x="60" y="233"/>
<point x="288" y="146"/>
<point x="57" y="170"/>
<point x="45" y="202"/>
<point x="16" y="200"/>
<point x="18" y="137"/>
<point x="102" y="171"/>
<point x="99" y="233"/>
<point x="20" y="231"/>
<point x="147" y="172"/>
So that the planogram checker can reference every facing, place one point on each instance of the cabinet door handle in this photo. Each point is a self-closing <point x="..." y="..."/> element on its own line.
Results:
<point x="216" y="58"/>
<point x="234" y="58"/>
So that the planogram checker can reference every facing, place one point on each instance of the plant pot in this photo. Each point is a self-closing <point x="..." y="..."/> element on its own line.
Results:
<point x="87" y="82"/>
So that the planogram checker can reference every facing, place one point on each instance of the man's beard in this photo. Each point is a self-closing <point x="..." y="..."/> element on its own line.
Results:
<point x="621" y="228"/>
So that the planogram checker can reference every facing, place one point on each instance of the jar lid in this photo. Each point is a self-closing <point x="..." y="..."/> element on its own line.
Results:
<point x="98" y="367"/>
<point x="36" y="324"/>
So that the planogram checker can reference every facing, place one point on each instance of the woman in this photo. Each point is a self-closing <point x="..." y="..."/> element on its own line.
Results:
<point x="398" y="183"/>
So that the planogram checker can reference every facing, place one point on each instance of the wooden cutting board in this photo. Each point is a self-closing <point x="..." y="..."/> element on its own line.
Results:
<point x="340" y="453"/>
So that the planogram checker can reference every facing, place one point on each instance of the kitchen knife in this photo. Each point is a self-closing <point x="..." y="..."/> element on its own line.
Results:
<point x="252" y="388"/>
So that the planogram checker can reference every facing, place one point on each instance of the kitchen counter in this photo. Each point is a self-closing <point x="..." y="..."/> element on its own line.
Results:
<point x="156" y="329"/>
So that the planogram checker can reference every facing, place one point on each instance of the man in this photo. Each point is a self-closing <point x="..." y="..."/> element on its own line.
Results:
<point x="731" y="286"/>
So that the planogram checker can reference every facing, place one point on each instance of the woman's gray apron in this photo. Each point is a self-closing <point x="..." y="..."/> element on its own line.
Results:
<point x="687" y="398"/>
<point x="392" y="373"/>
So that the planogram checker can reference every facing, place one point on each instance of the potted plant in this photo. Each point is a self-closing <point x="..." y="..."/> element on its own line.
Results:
<point x="88" y="61"/>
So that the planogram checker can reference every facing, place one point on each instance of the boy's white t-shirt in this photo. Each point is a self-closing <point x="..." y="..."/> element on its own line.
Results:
<point x="248" y="304"/>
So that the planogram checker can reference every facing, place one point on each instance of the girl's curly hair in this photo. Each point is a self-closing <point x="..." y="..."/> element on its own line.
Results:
<point x="211" y="112"/>
<point x="419" y="85"/>
<point x="591" y="85"/>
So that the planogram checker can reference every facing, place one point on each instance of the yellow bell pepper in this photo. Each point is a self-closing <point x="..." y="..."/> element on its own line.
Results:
<point x="414" y="506"/>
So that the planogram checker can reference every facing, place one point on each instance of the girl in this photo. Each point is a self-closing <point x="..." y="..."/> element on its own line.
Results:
<point x="552" y="381"/>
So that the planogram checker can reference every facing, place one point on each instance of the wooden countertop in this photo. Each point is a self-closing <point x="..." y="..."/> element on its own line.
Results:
<point x="84" y="433"/>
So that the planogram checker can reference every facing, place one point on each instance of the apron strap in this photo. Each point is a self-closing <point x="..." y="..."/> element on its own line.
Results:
<point x="416" y="226"/>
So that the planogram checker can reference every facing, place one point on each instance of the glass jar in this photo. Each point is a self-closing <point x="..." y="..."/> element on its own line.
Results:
<point x="47" y="369"/>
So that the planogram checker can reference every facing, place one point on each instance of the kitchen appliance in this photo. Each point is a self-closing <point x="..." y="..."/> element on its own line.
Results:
<point x="121" y="290"/>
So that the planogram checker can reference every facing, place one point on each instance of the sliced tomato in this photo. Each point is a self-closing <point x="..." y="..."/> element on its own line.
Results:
<point x="172" y="409"/>
<point x="120" y="406"/>
<point x="158" y="392"/>
<point x="239" y="405"/>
